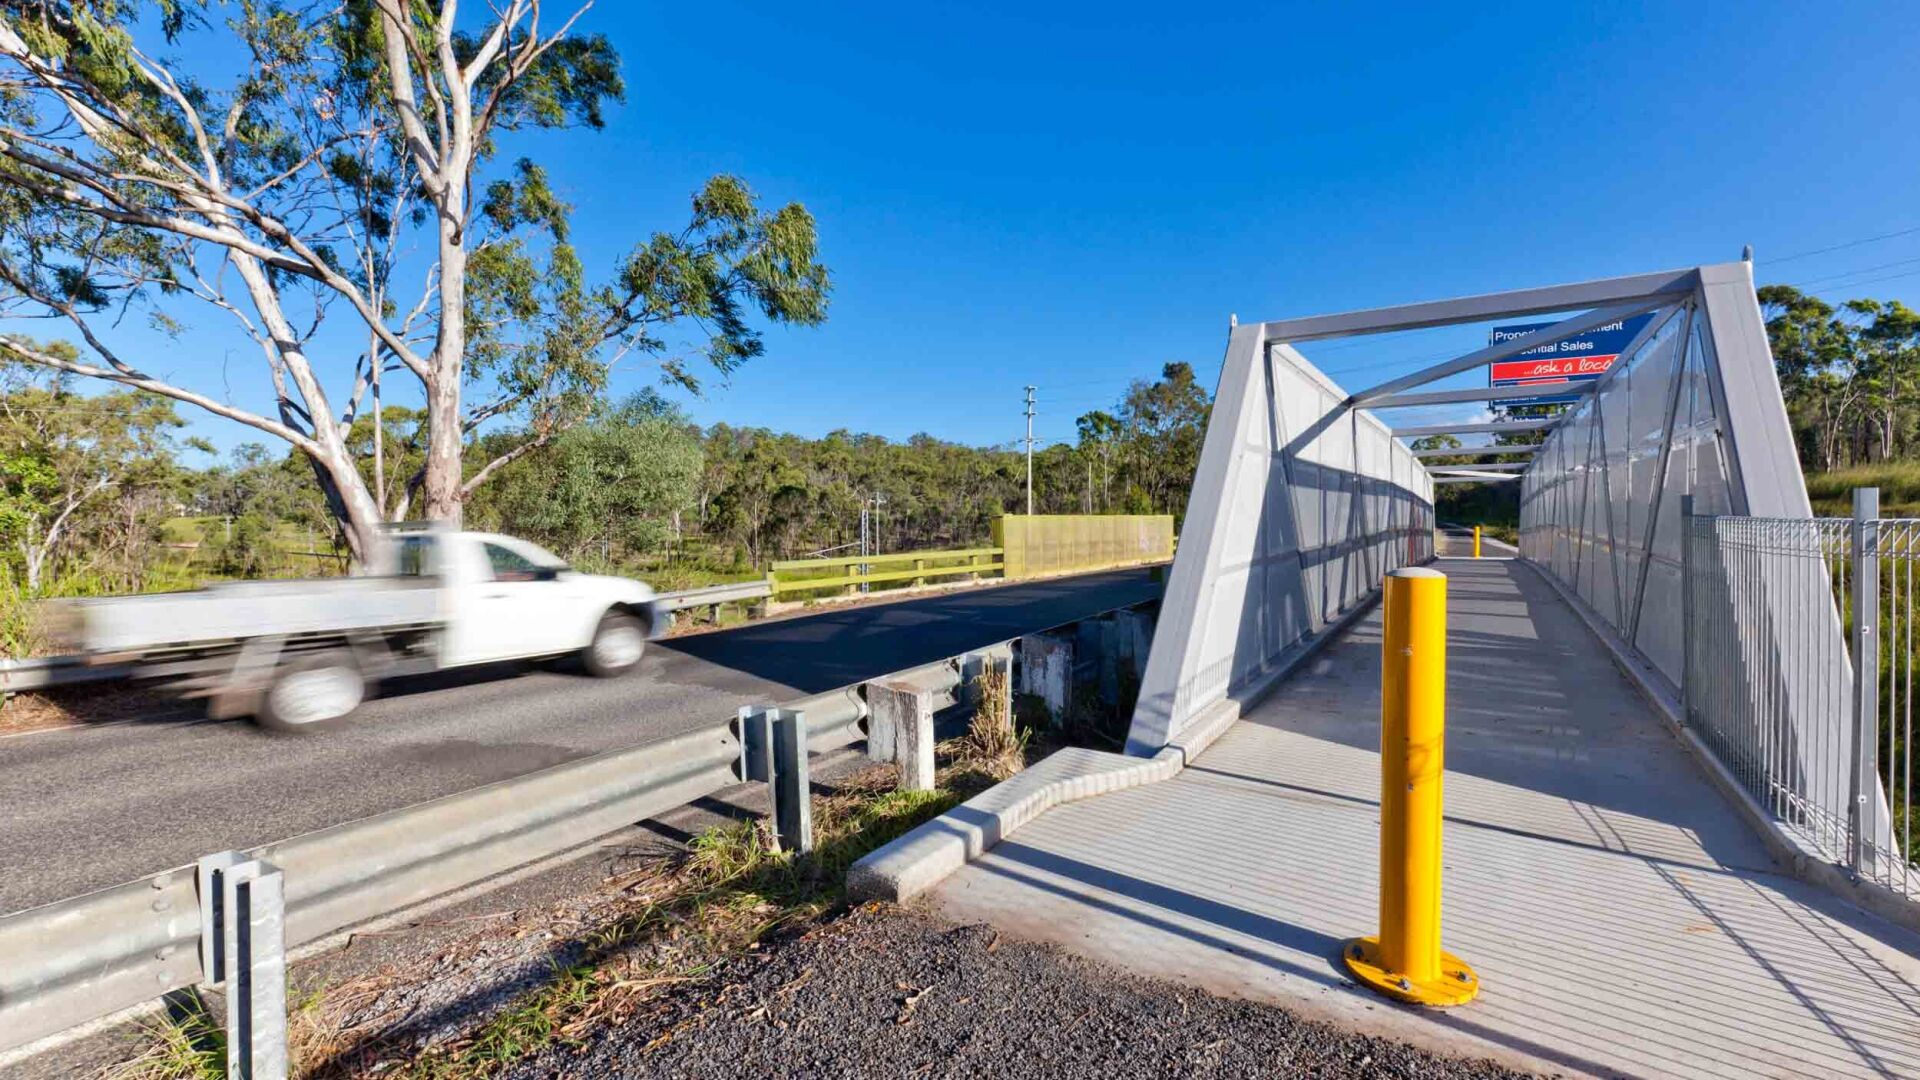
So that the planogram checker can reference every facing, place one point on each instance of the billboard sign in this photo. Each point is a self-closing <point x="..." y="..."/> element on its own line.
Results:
<point x="1580" y="358"/>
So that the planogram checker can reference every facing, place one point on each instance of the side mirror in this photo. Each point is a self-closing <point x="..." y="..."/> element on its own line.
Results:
<point x="546" y="573"/>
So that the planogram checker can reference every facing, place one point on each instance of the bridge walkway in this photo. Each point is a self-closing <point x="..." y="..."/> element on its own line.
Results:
<point x="1622" y="917"/>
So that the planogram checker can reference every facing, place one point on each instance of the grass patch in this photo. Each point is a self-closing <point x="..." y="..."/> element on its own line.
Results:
<point x="993" y="744"/>
<point x="1898" y="481"/>
<point x="187" y="1043"/>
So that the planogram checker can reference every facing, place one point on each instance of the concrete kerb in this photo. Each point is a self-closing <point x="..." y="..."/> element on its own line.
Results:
<point x="1798" y="858"/>
<point x="919" y="860"/>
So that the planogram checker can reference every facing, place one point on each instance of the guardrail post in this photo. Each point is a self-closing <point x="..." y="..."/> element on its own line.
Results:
<point x="792" y="789"/>
<point x="755" y="729"/>
<point x="1136" y="638"/>
<point x="975" y="664"/>
<point x="901" y="720"/>
<point x="1405" y="960"/>
<point x="1046" y="671"/>
<point x="210" y="877"/>
<point x="1863" y="781"/>
<point x="243" y="949"/>
<point x="1098" y="642"/>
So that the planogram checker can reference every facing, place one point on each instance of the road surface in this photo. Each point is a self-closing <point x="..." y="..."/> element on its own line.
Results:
<point x="90" y="807"/>
<point x="1456" y="542"/>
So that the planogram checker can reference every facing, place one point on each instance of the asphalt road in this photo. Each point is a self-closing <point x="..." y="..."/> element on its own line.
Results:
<point x="84" y="808"/>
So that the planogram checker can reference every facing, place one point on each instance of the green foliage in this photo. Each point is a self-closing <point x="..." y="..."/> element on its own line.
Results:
<point x="187" y="1042"/>
<point x="1850" y="375"/>
<point x="301" y="170"/>
<point x="610" y="489"/>
<point x="775" y="496"/>
<point x="84" y="479"/>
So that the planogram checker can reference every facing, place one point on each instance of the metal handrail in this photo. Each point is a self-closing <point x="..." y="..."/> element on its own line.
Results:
<point x="861" y="568"/>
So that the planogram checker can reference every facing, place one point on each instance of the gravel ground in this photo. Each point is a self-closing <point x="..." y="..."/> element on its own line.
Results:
<point x="889" y="993"/>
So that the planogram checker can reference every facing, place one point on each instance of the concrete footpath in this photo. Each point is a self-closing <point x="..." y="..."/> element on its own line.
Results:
<point x="1622" y="918"/>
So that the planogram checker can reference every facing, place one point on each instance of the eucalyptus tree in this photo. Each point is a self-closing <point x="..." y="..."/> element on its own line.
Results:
<point x="327" y="179"/>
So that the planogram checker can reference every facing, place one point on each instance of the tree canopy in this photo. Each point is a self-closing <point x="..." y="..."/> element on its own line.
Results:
<point x="331" y="183"/>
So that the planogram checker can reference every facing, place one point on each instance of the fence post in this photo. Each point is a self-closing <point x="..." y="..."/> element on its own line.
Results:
<point x="1687" y="629"/>
<point x="1863" y="780"/>
<point x="1405" y="960"/>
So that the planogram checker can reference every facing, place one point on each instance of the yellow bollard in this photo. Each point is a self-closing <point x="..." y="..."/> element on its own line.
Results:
<point x="1405" y="961"/>
<point x="1476" y="541"/>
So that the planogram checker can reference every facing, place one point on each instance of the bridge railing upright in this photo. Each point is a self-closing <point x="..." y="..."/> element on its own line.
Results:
<point x="1801" y="656"/>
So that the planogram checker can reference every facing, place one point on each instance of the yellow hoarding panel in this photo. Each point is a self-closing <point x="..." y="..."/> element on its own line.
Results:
<point x="1041" y="544"/>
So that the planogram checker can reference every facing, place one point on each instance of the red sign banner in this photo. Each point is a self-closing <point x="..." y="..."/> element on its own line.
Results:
<point x="1547" y="370"/>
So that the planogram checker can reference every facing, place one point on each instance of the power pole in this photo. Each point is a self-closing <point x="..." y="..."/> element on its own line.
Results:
<point x="1030" y="391"/>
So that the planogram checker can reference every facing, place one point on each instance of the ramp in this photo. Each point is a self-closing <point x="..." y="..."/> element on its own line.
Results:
<point x="1623" y="919"/>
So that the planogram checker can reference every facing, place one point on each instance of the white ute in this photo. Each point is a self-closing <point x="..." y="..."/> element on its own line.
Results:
<point x="296" y="654"/>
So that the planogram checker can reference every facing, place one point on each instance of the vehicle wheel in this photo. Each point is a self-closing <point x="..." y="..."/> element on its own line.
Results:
<point x="617" y="646"/>
<point x="309" y="693"/>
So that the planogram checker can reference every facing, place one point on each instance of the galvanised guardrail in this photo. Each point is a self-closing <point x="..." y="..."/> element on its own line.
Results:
<point x="73" y="961"/>
<point x="712" y="595"/>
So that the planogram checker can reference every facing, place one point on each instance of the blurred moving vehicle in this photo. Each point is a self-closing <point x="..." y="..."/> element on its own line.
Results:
<point x="296" y="654"/>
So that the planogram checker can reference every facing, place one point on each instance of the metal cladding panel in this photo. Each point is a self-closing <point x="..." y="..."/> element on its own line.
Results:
<point x="1659" y="635"/>
<point x="1701" y="396"/>
<point x="1298" y="507"/>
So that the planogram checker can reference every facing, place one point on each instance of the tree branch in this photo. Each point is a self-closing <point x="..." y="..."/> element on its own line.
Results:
<point x="506" y="459"/>
<point x="138" y="381"/>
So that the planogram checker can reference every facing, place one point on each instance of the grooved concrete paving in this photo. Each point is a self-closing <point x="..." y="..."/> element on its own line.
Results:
<point x="1622" y="918"/>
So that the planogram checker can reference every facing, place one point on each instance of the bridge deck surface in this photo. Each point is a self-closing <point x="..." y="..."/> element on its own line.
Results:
<point x="1621" y="917"/>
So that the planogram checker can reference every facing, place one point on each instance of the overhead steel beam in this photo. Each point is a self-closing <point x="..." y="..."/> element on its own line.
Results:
<point x="1666" y="286"/>
<point x="1480" y="393"/>
<point x="1492" y="479"/>
<point x="1473" y="428"/>
<point x="1514" y="346"/>
<point x="1500" y="466"/>
<point x="1478" y="451"/>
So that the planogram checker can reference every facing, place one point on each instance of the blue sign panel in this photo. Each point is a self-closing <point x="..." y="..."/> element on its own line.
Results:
<point x="1580" y="358"/>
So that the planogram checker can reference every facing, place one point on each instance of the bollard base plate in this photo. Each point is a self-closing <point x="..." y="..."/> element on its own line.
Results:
<point x="1456" y="985"/>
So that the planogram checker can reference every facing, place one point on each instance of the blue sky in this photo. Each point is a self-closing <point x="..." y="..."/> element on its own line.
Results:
<point x="1072" y="195"/>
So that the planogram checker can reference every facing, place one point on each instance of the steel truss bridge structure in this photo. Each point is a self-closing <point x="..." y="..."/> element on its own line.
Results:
<point x="1305" y="498"/>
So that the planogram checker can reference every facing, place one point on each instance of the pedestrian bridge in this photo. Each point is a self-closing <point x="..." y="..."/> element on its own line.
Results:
<point x="1675" y="837"/>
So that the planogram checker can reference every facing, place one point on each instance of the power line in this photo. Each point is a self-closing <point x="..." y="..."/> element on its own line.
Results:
<point x="1843" y="247"/>
<point x="1856" y="284"/>
<point x="1850" y="273"/>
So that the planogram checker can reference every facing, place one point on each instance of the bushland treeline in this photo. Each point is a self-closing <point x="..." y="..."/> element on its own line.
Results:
<point x="1851" y="376"/>
<point x="100" y="493"/>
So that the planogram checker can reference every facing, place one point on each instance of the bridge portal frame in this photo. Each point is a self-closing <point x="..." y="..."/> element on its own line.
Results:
<point x="1217" y="645"/>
